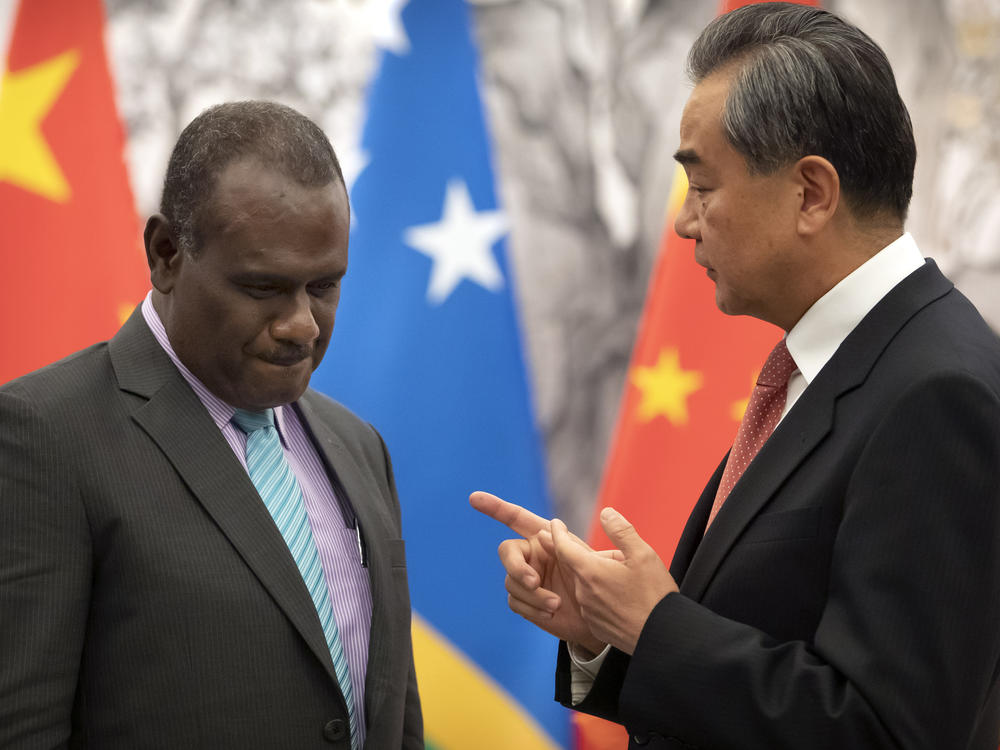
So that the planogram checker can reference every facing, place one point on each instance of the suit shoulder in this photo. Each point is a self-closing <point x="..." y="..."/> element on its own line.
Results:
<point x="950" y="336"/>
<point x="76" y="378"/>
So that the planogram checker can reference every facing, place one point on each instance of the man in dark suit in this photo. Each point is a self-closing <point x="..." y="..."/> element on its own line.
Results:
<point x="196" y="550"/>
<point x="838" y="587"/>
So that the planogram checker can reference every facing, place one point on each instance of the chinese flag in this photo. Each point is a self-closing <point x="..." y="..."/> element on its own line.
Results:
<point x="688" y="383"/>
<point x="71" y="265"/>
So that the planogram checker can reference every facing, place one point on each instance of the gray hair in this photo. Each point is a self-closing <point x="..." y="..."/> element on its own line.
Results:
<point x="808" y="82"/>
<point x="280" y="137"/>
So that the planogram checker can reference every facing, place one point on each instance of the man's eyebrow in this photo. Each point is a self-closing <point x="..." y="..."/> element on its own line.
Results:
<point x="686" y="156"/>
<point x="269" y="277"/>
<point x="255" y="276"/>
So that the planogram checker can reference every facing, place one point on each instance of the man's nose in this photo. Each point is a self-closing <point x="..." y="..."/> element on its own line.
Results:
<point x="297" y="323"/>
<point x="686" y="223"/>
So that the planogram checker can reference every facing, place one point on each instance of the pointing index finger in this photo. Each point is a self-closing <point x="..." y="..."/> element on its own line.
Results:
<point x="519" y="520"/>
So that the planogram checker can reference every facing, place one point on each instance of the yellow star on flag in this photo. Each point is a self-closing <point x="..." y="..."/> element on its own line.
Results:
<point x="665" y="388"/>
<point x="26" y="97"/>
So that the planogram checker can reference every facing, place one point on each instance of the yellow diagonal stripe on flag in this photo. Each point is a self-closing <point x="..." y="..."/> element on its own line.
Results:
<point x="463" y="706"/>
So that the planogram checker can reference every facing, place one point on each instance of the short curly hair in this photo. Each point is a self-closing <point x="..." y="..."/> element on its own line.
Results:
<point x="277" y="135"/>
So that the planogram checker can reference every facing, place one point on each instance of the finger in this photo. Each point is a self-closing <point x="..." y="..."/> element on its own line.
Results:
<point x="579" y="541"/>
<point x="519" y="520"/>
<point x="621" y="533"/>
<point x="545" y="537"/>
<point x="535" y="597"/>
<point x="570" y="552"/>
<point x="544" y="540"/>
<point x="538" y="558"/>
<point x="527" y="611"/>
<point x="612" y="554"/>
<point x="515" y="556"/>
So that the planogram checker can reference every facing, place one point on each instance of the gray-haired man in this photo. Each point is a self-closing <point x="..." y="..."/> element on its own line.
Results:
<point x="840" y="588"/>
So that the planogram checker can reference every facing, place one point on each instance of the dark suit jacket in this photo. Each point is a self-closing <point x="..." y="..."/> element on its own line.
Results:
<point x="848" y="593"/>
<point x="147" y="599"/>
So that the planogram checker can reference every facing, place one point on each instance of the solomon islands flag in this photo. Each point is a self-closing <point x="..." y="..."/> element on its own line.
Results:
<point x="427" y="348"/>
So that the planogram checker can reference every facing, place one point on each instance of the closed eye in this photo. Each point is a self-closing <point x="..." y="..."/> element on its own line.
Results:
<point x="261" y="291"/>
<point x="320" y="288"/>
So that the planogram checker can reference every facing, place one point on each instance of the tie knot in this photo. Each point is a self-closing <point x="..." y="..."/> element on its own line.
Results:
<point x="251" y="421"/>
<point x="778" y="368"/>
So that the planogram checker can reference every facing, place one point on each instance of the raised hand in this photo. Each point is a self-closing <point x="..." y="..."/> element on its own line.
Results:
<point x="537" y="587"/>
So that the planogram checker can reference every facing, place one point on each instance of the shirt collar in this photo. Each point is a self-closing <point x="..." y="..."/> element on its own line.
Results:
<point x="825" y="325"/>
<point x="219" y="410"/>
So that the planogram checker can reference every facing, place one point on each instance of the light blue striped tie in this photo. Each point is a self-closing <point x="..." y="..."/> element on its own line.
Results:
<point x="278" y="488"/>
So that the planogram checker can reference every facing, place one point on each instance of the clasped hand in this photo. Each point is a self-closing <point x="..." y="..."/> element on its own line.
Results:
<point x="583" y="596"/>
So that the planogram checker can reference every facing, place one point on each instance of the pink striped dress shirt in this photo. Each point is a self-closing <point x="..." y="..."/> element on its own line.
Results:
<point x="346" y="579"/>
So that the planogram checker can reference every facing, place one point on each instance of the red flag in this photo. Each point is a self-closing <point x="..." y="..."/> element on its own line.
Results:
<point x="71" y="265"/>
<point x="688" y="383"/>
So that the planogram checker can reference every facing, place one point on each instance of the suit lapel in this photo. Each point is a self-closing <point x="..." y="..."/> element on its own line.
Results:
<point x="805" y="425"/>
<point x="795" y="437"/>
<point x="694" y="529"/>
<point x="174" y="417"/>
<point x="375" y="526"/>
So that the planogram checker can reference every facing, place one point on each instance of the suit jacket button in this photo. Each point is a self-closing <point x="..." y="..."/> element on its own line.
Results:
<point x="335" y="729"/>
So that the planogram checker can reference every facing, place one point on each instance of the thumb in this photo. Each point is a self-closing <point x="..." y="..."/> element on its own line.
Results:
<point x="569" y="552"/>
<point x="621" y="533"/>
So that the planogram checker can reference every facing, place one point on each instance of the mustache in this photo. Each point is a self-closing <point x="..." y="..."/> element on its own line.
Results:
<point x="287" y="355"/>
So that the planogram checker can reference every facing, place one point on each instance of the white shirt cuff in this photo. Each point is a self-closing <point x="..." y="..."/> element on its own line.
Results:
<point x="583" y="672"/>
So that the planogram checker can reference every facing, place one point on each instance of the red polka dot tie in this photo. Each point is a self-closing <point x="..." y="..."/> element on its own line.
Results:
<point x="761" y="417"/>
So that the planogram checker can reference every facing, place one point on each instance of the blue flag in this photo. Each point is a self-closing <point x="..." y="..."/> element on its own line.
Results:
<point x="427" y="348"/>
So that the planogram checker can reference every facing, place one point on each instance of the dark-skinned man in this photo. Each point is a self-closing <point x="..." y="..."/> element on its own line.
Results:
<point x="197" y="550"/>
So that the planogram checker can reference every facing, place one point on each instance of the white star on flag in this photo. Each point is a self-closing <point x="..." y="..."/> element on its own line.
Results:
<point x="460" y="245"/>
<point x="387" y="26"/>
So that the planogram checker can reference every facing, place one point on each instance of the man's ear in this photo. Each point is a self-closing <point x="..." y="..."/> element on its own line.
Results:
<point x="819" y="183"/>
<point x="162" y="254"/>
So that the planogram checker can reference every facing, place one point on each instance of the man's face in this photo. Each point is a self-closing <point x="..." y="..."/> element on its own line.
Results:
<point x="252" y="312"/>
<point x="743" y="225"/>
